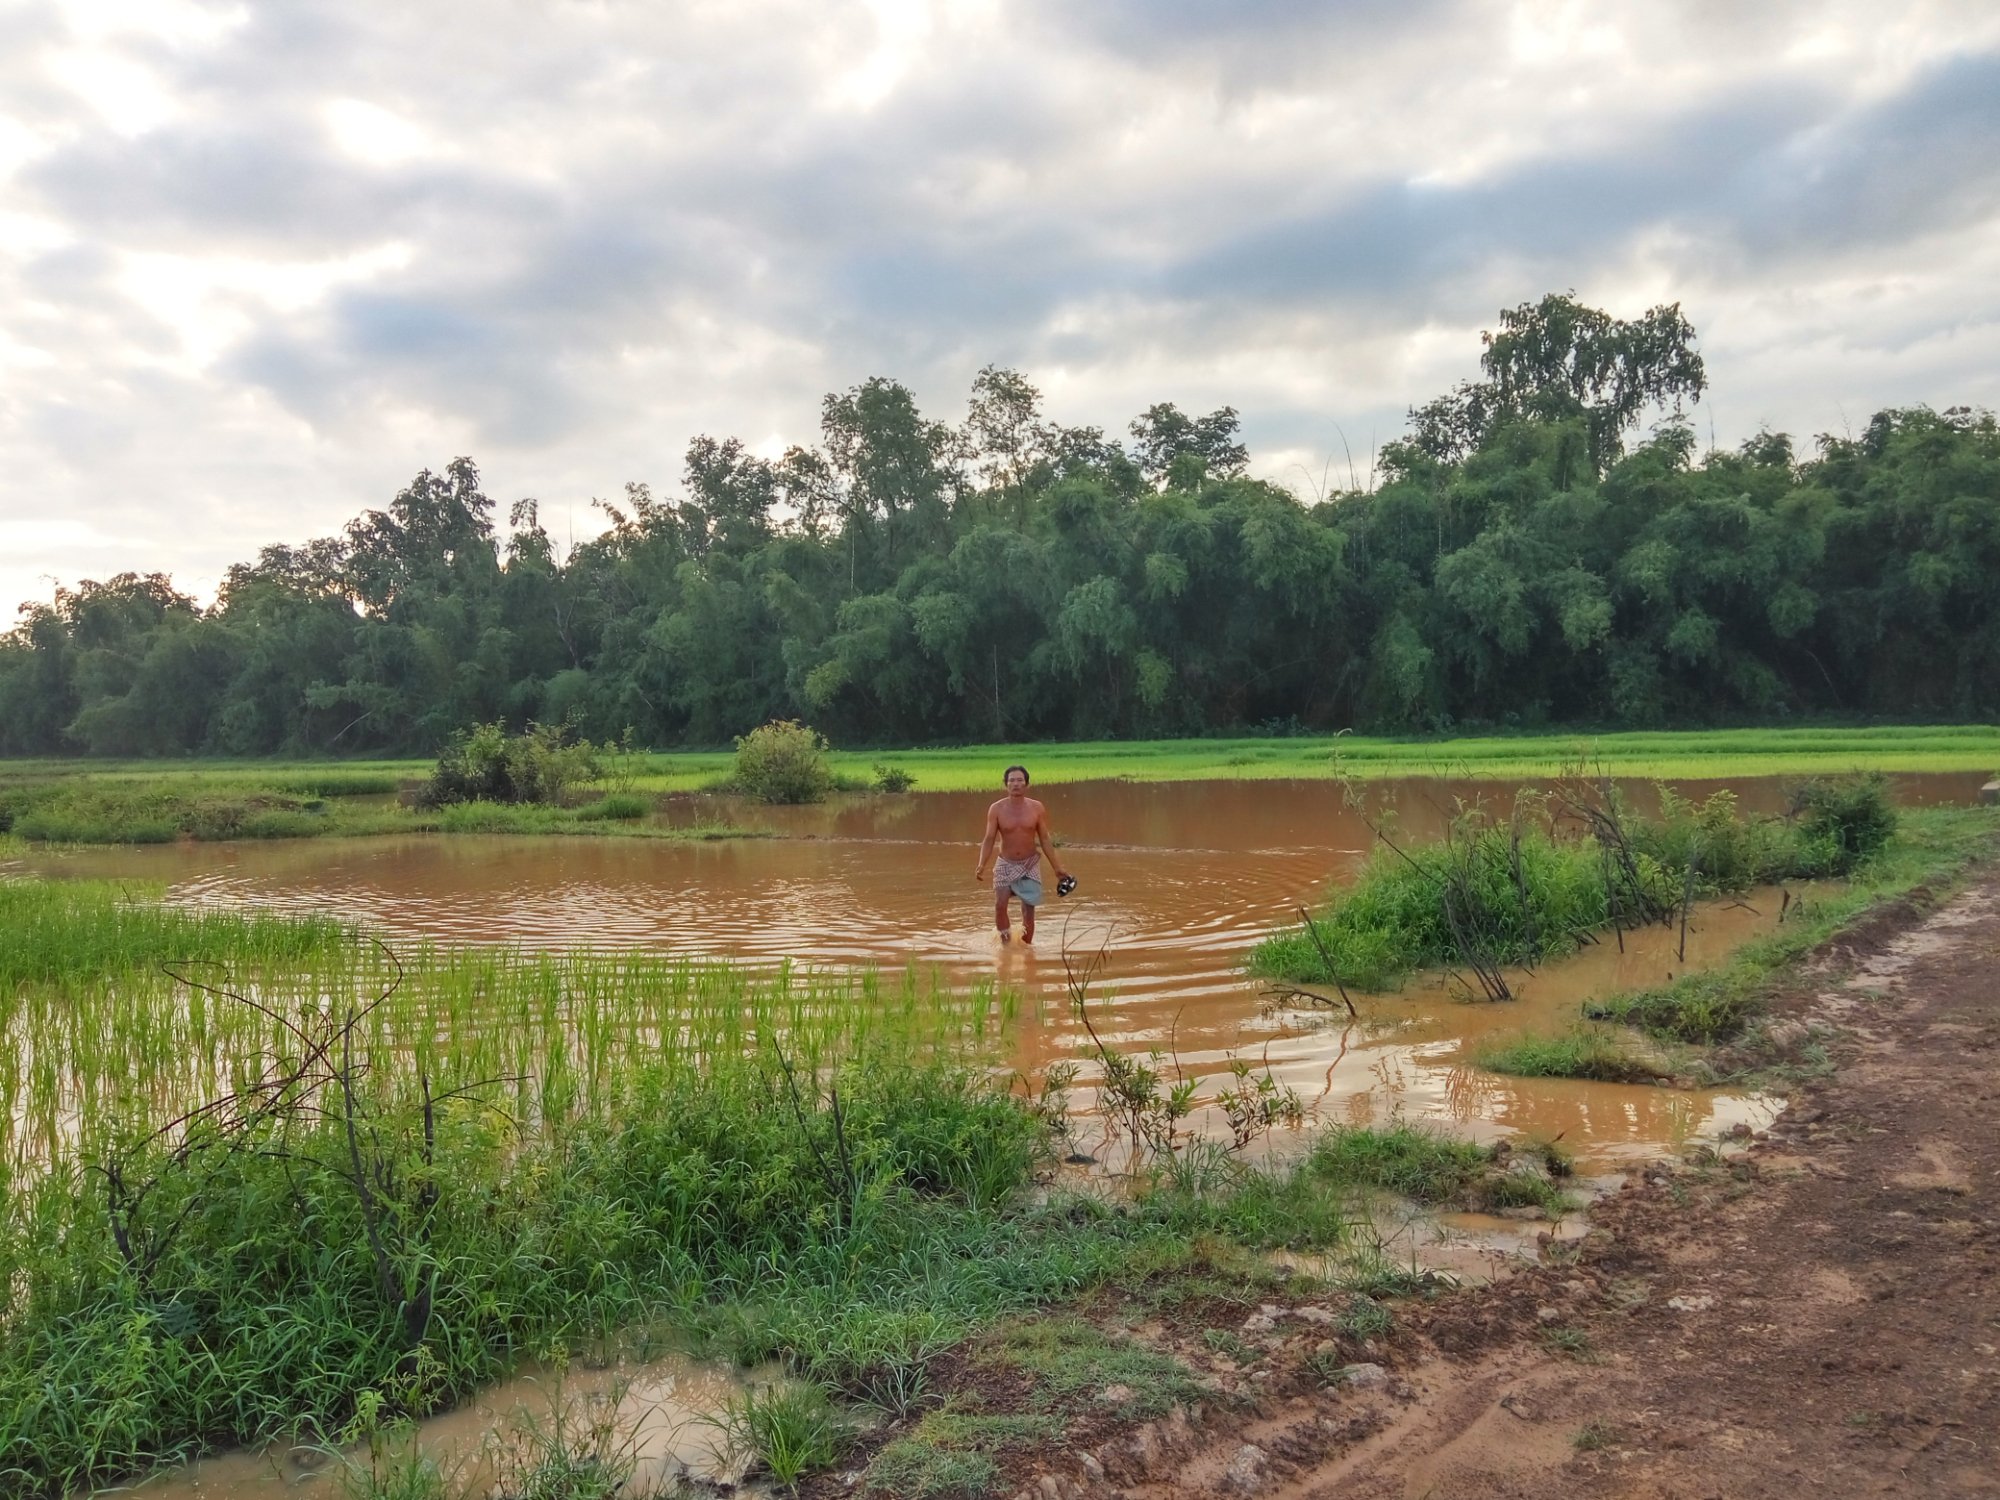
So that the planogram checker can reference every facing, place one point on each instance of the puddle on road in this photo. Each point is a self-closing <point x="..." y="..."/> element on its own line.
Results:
<point x="661" y="1416"/>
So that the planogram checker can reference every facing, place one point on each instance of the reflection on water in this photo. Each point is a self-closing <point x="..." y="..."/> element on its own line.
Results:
<point x="1178" y="880"/>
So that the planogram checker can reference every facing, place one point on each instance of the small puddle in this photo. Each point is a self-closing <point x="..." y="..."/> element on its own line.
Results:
<point x="660" y="1418"/>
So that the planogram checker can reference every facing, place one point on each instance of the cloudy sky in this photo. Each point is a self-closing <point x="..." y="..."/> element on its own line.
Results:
<point x="261" y="262"/>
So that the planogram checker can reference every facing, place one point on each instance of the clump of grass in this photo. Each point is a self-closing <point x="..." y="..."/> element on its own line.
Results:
<point x="615" y="807"/>
<point x="1582" y="1052"/>
<point x="952" y="1453"/>
<point x="789" y="1429"/>
<point x="1418" y="1164"/>
<point x="1573" y="1342"/>
<point x="1593" y="1436"/>
<point x="1364" y="1318"/>
<point x="1071" y="1361"/>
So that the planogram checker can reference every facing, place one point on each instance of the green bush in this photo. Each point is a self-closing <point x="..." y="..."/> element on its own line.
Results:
<point x="893" y="779"/>
<point x="783" y="761"/>
<point x="487" y="764"/>
<point x="1842" y="821"/>
<point x="1392" y="920"/>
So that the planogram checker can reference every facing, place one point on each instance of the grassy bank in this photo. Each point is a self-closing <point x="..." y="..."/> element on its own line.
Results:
<point x="1930" y="852"/>
<point x="1570" y="863"/>
<point x="1689" y="1019"/>
<point x="260" y="1176"/>
<point x="84" y="806"/>
<point x="97" y="801"/>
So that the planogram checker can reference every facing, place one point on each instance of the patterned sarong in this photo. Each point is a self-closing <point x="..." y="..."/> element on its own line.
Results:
<point x="1007" y="871"/>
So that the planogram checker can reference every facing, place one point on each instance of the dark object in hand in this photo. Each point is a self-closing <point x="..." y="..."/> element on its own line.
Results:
<point x="1065" y="885"/>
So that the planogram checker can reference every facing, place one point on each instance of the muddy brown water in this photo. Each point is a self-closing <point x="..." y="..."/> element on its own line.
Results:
<point x="1177" y="882"/>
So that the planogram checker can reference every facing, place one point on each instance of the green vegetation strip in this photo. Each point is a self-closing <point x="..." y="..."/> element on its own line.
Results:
<point x="387" y="1177"/>
<point x="145" y="802"/>
<point x="1931" y="850"/>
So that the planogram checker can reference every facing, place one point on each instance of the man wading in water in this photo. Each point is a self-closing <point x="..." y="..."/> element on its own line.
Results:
<point x="1019" y="823"/>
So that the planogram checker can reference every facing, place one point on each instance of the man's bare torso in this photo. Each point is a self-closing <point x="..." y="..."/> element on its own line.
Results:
<point x="1018" y="818"/>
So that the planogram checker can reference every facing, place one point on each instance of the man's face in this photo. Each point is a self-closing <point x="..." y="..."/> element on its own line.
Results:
<point x="1017" y="784"/>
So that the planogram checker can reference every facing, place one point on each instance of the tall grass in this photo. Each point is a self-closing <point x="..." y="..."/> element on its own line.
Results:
<point x="502" y="1147"/>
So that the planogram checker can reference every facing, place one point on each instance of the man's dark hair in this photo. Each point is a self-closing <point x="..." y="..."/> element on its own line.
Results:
<point x="1011" y="770"/>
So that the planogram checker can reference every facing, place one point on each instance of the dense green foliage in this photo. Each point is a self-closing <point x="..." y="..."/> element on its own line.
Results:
<point x="487" y="764"/>
<point x="1010" y="579"/>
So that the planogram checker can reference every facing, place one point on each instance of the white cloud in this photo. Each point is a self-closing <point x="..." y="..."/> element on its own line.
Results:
<point x="259" y="264"/>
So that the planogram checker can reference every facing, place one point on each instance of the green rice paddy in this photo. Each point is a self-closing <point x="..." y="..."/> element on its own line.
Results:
<point x="147" y="801"/>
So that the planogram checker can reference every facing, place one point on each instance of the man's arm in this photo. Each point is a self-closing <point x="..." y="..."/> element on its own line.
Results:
<point x="1048" y="842"/>
<point x="986" y="845"/>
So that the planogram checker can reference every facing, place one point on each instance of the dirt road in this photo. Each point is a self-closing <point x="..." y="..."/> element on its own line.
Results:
<point x="1815" y="1315"/>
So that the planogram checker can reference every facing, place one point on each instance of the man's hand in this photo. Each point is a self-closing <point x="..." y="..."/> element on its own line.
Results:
<point x="980" y="874"/>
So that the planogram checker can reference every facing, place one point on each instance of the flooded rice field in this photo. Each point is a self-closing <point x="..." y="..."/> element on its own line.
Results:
<point x="1177" y="882"/>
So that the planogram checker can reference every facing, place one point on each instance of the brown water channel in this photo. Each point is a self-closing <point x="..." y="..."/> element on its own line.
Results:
<point x="1178" y="880"/>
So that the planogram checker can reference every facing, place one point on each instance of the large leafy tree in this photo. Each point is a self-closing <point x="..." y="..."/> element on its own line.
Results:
<point x="1526" y="561"/>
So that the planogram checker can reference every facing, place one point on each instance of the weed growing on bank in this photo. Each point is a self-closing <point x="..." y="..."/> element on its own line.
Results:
<point x="1569" y="866"/>
<point x="1592" y="1052"/>
<point x="1929" y="849"/>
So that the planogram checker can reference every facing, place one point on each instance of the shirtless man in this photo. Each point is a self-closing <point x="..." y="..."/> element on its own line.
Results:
<point x="1019" y="823"/>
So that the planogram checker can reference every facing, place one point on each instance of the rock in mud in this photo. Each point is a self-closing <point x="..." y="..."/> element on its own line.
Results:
<point x="1700" y="1303"/>
<point x="1364" y="1375"/>
<point x="1245" y="1474"/>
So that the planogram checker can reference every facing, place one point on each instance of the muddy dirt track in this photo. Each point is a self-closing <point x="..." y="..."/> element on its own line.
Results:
<point x="1815" y="1315"/>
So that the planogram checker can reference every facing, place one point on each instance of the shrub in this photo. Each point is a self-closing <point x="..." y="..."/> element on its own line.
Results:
<point x="893" y="779"/>
<point x="783" y="761"/>
<point x="487" y="764"/>
<point x="1841" y="821"/>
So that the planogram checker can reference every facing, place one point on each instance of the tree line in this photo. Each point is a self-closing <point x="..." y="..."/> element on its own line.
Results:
<point x="1546" y="545"/>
